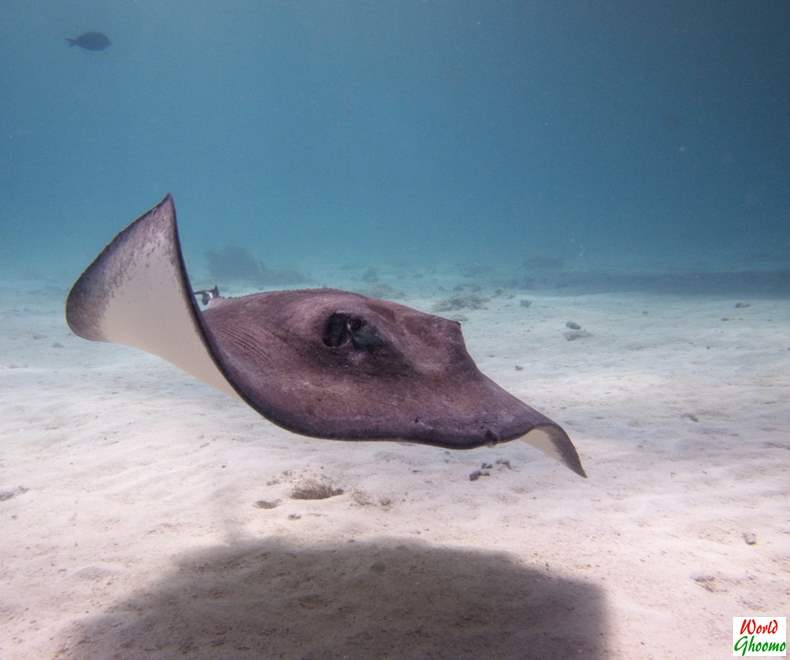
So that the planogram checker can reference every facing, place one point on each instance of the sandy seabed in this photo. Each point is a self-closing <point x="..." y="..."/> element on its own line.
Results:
<point x="145" y="515"/>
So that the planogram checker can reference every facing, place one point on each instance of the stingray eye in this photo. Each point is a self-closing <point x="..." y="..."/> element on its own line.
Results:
<point x="340" y="328"/>
<point x="364" y="335"/>
<point x="336" y="330"/>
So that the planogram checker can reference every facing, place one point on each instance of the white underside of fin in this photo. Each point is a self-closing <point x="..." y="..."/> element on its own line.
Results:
<point x="148" y="312"/>
<point x="556" y="445"/>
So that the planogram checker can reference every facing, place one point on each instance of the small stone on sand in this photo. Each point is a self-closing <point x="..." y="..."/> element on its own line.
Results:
<point x="314" y="490"/>
<point x="572" y="335"/>
<point x="266" y="504"/>
<point x="12" y="492"/>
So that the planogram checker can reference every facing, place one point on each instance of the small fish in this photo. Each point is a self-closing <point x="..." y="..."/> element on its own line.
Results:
<point x="91" y="41"/>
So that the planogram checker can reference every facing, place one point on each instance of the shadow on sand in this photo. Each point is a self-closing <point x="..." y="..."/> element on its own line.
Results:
<point x="383" y="599"/>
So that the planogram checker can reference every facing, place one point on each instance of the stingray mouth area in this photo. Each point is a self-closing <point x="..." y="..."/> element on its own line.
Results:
<point x="451" y="413"/>
<point x="451" y="433"/>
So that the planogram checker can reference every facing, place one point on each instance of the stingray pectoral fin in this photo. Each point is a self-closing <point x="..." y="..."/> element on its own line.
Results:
<point x="554" y="442"/>
<point x="137" y="292"/>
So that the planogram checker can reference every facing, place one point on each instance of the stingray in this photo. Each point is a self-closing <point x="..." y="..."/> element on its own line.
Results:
<point x="324" y="363"/>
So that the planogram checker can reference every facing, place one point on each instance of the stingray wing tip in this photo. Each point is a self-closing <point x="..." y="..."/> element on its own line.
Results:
<point x="554" y="442"/>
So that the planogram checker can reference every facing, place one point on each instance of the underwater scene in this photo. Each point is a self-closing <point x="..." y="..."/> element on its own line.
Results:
<point x="423" y="329"/>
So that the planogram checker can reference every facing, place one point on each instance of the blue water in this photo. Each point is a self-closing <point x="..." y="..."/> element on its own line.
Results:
<point x="608" y="134"/>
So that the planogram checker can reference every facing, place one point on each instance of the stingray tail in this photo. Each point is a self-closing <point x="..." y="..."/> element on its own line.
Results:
<point x="71" y="42"/>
